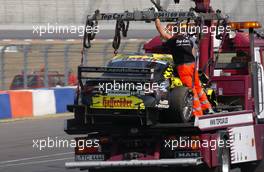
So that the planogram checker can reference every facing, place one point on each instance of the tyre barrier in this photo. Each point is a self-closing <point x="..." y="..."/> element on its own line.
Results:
<point x="39" y="102"/>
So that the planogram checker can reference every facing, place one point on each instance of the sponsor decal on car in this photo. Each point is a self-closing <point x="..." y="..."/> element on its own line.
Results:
<point x="159" y="58"/>
<point x="112" y="102"/>
<point x="117" y="102"/>
<point x="163" y="104"/>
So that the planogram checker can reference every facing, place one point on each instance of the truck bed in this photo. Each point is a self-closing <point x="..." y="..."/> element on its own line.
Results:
<point x="72" y="127"/>
<point x="207" y="122"/>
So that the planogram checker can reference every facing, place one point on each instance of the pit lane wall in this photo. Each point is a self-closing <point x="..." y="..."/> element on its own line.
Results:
<point x="30" y="103"/>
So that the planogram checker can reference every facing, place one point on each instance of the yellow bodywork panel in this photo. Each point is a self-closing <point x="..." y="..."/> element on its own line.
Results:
<point x="175" y="81"/>
<point x="117" y="102"/>
<point x="153" y="57"/>
<point x="210" y="92"/>
<point x="211" y="96"/>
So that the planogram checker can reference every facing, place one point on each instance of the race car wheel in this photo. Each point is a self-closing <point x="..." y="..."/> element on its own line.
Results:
<point x="181" y="101"/>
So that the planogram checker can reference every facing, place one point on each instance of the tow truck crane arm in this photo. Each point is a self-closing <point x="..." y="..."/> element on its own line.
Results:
<point x="199" y="15"/>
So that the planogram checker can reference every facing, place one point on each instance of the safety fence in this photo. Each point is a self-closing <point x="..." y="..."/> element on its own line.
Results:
<point x="36" y="77"/>
<point x="48" y="63"/>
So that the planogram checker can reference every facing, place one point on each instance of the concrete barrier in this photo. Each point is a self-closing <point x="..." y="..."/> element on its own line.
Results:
<point x="5" y="110"/>
<point x="63" y="97"/>
<point x="43" y="102"/>
<point x="29" y="103"/>
<point x="21" y="103"/>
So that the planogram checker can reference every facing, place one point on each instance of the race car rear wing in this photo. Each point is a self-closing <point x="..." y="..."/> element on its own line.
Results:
<point x="146" y="74"/>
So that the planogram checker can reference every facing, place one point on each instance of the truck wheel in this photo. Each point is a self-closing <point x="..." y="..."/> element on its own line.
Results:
<point x="225" y="161"/>
<point x="97" y="170"/>
<point x="181" y="102"/>
<point x="252" y="167"/>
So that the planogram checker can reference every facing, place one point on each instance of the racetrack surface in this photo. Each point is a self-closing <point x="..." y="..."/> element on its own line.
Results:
<point x="16" y="145"/>
<point x="18" y="154"/>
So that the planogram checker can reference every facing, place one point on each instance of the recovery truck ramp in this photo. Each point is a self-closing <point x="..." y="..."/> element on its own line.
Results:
<point x="223" y="120"/>
<point x="136" y="163"/>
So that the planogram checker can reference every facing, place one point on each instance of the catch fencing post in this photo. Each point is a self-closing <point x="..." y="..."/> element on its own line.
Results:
<point x="2" y="78"/>
<point x="66" y="63"/>
<point x="107" y="45"/>
<point x="123" y="47"/>
<point x="85" y="55"/>
<point x="140" y="47"/>
<point x="46" y="68"/>
<point x="2" y="66"/>
<point x="26" y="49"/>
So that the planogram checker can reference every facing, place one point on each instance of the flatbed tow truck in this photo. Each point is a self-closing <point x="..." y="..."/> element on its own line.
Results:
<point x="231" y="138"/>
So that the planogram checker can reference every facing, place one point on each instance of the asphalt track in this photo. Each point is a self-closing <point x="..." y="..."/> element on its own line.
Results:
<point x="18" y="153"/>
<point x="16" y="146"/>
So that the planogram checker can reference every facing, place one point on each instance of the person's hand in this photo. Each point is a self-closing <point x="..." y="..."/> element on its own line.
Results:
<point x="157" y="21"/>
<point x="161" y="31"/>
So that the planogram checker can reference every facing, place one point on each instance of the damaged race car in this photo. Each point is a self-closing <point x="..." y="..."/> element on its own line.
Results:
<point x="144" y="88"/>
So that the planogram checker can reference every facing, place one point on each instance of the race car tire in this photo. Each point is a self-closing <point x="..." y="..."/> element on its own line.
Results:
<point x="152" y="116"/>
<point x="180" y="101"/>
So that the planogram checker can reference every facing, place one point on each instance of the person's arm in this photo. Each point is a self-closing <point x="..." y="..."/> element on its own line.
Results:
<point x="194" y="52"/>
<point x="161" y="31"/>
<point x="194" y="47"/>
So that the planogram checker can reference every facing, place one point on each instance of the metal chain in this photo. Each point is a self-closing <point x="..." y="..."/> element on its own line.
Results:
<point x="88" y="36"/>
<point x="117" y="37"/>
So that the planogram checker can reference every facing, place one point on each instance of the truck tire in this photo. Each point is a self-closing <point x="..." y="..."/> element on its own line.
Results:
<point x="252" y="167"/>
<point x="181" y="102"/>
